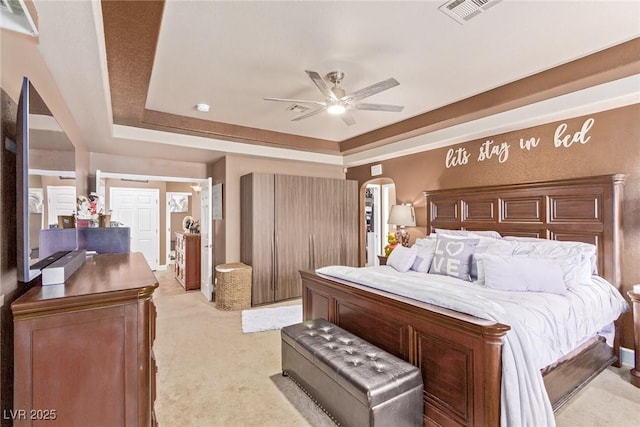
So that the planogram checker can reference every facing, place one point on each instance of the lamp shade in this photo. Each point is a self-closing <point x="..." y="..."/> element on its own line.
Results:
<point x="402" y="215"/>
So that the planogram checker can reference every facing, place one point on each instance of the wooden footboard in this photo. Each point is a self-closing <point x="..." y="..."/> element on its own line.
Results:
<point x="459" y="355"/>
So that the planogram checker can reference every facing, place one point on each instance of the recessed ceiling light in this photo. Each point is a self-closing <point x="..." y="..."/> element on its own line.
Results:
<point x="203" y="108"/>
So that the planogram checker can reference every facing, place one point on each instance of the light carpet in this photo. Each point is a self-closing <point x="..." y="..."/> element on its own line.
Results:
<point x="267" y="319"/>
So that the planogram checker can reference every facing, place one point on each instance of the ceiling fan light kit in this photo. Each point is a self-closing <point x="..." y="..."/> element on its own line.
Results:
<point x="336" y="109"/>
<point x="338" y="102"/>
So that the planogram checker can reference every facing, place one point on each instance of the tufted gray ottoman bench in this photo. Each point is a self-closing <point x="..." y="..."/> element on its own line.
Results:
<point x="356" y="383"/>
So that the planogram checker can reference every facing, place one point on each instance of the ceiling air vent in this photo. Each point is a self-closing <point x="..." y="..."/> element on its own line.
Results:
<point x="463" y="10"/>
<point x="297" y="108"/>
<point x="15" y="16"/>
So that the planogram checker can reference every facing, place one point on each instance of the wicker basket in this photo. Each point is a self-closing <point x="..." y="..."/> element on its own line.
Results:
<point x="233" y="286"/>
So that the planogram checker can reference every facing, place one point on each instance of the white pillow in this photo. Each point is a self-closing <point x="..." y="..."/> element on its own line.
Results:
<point x="402" y="258"/>
<point x="492" y="247"/>
<point x="587" y="251"/>
<point x="426" y="241"/>
<point x="424" y="255"/>
<point x="575" y="257"/>
<point x="518" y="273"/>
<point x="469" y="233"/>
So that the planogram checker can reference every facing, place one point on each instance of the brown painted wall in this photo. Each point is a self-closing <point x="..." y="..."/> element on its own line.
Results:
<point x="613" y="146"/>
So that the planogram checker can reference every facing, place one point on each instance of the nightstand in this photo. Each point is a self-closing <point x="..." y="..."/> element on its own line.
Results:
<point x="382" y="259"/>
<point x="635" y="372"/>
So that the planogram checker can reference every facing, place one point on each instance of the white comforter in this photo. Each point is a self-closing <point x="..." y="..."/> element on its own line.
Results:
<point x="544" y="326"/>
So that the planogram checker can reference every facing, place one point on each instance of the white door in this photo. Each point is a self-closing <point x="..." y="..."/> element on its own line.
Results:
<point x="206" y="240"/>
<point x="61" y="200"/>
<point x="138" y="209"/>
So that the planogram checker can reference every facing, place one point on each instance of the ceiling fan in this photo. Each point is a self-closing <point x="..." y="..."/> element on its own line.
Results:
<point x="338" y="102"/>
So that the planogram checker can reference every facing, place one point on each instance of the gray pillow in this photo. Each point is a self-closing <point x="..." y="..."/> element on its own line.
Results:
<point x="453" y="257"/>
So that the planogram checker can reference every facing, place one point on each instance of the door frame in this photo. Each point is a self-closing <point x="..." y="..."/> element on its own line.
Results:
<point x="206" y="251"/>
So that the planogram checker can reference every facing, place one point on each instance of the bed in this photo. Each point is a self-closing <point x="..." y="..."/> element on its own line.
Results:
<point x="460" y="355"/>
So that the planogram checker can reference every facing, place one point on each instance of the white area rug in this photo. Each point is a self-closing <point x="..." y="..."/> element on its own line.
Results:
<point x="267" y="319"/>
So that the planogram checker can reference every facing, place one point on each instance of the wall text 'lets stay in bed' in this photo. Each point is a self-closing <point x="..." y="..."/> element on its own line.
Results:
<point x="563" y="137"/>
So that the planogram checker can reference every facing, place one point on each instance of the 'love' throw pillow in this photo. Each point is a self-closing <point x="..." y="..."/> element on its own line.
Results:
<point x="453" y="257"/>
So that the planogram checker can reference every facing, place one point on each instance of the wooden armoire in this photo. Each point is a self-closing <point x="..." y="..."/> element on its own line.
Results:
<point x="292" y="223"/>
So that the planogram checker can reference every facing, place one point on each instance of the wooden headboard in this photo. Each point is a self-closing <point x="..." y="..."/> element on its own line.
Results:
<point x="582" y="209"/>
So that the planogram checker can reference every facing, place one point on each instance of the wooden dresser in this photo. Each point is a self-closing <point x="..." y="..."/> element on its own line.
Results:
<point x="83" y="350"/>
<point x="188" y="260"/>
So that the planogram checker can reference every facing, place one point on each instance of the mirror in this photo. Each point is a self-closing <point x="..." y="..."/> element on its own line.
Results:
<point x="52" y="184"/>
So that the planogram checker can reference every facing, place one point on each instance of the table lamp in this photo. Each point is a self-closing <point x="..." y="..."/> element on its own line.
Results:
<point x="402" y="216"/>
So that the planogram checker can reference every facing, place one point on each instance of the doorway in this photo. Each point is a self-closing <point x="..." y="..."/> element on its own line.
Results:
<point x="178" y="207"/>
<point x="200" y="183"/>
<point x="379" y="195"/>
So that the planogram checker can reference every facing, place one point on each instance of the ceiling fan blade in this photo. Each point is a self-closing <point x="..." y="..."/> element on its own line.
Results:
<point x="378" y="107"/>
<point x="321" y="84"/>
<point x="296" y="101"/>
<point x="373" y="89"/>
<point x="347" y="118"/>
<point x="310" y="113"/>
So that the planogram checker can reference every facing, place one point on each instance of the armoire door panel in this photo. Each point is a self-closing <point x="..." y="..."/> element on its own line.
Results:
<point x="292" y="204"/>
<point x="257" y="233"/>
<point x="326" y="222"/>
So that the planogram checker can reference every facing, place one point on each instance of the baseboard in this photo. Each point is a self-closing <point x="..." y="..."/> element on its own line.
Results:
<point x="627" y="356"/>
<point x="162" y="267"/>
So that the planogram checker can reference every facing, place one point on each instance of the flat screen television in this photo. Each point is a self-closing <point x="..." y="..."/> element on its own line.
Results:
<point x="45" y="162"/>
<point x="26" y="272"/>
